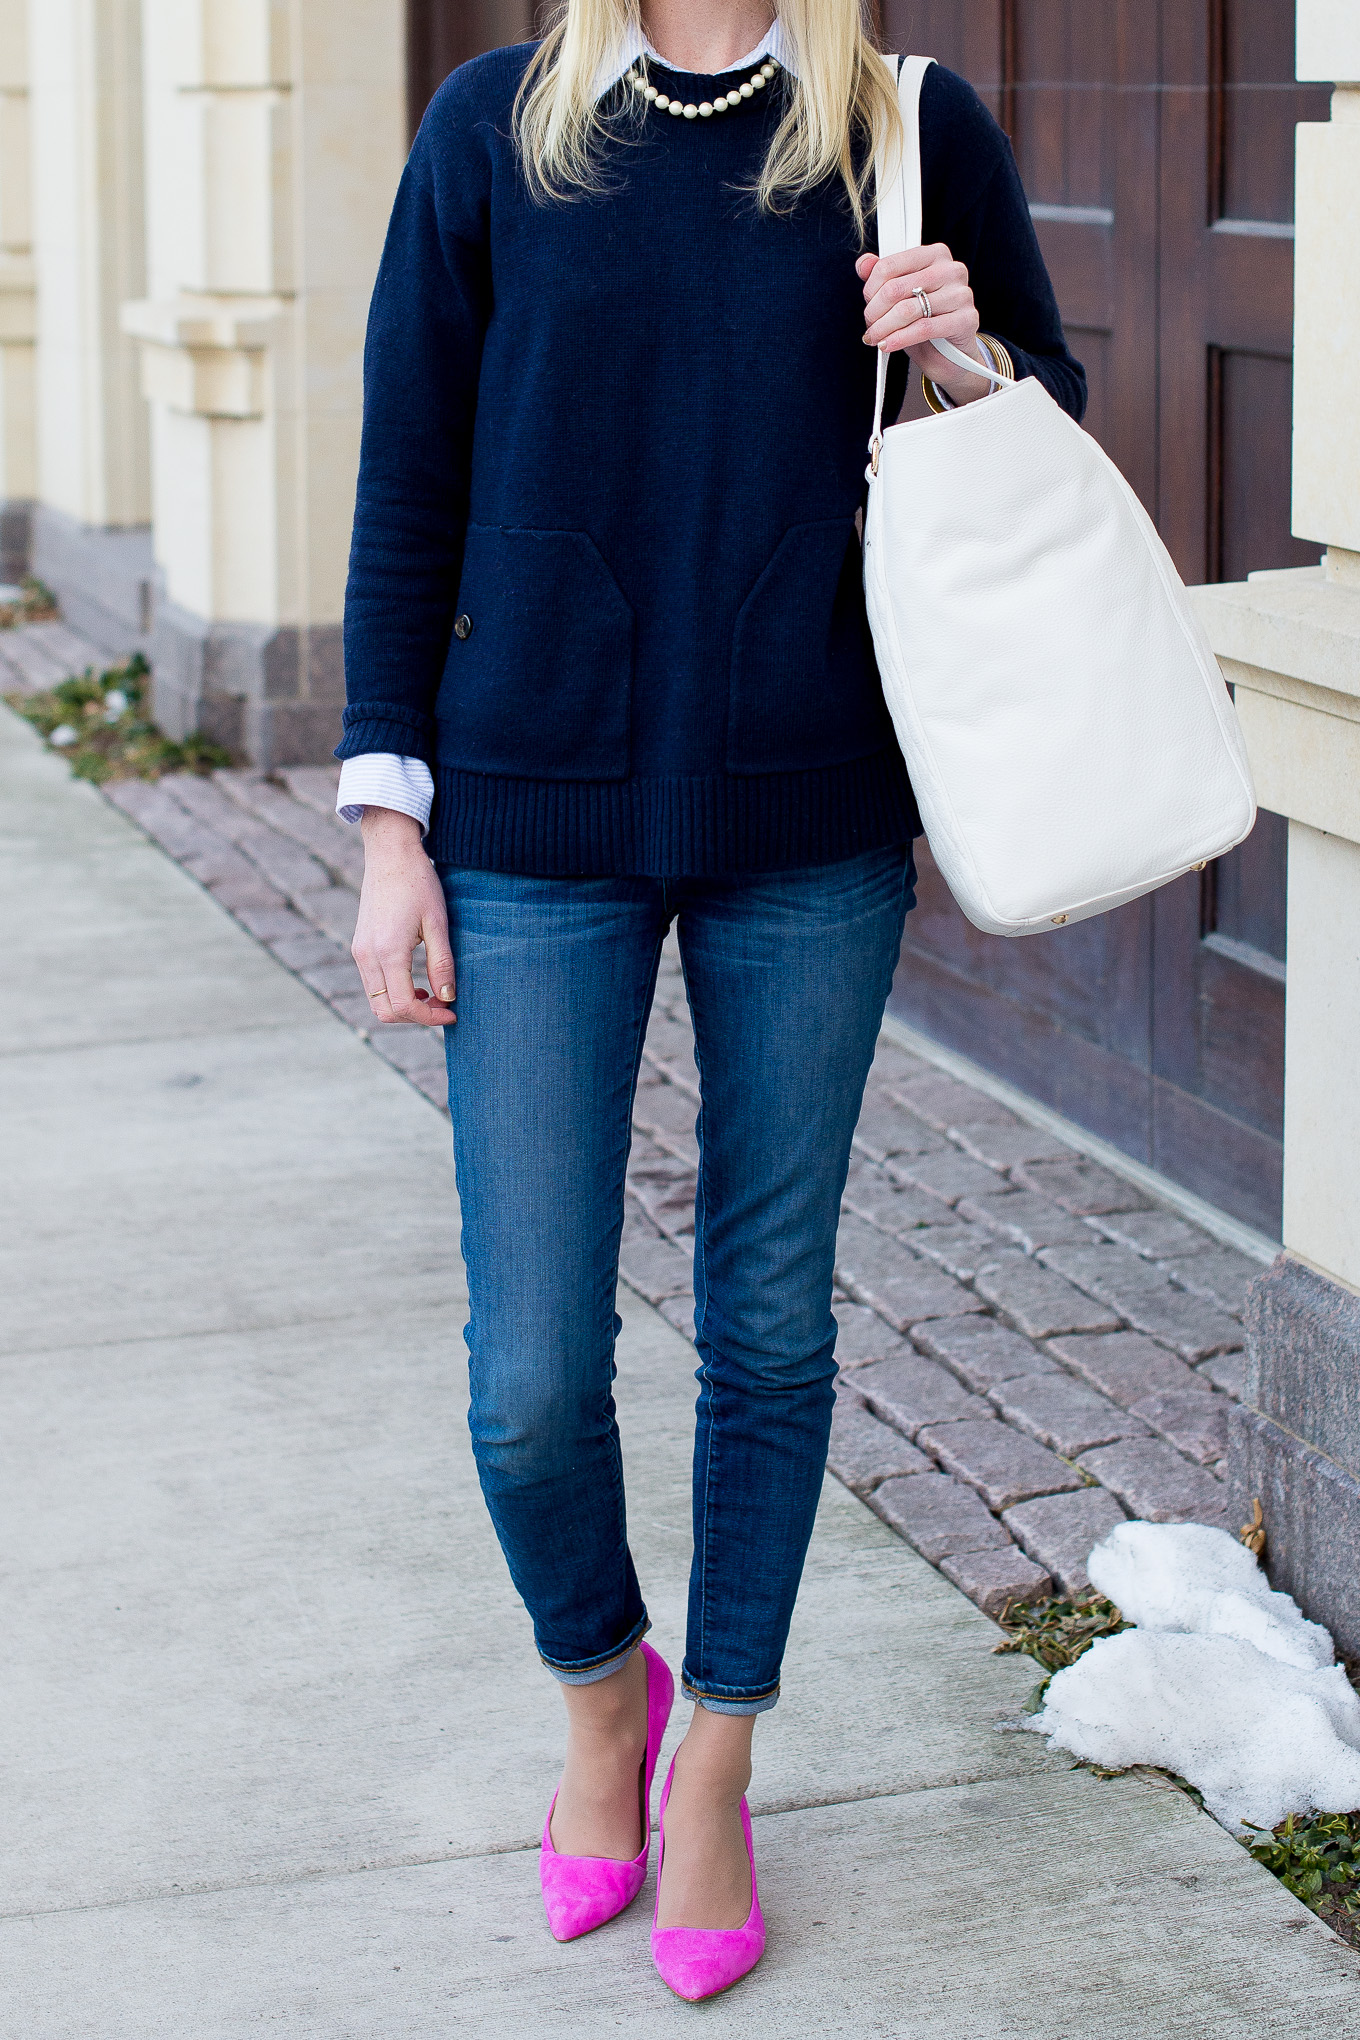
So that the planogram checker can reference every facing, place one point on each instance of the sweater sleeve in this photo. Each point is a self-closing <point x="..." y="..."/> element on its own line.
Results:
<point x="1011" y="287"/>
<point x="422" y="358"/>
<point x="975" y="203"/>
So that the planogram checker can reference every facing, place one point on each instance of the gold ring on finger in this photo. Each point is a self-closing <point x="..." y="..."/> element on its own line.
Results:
<point x="381" y="993"/>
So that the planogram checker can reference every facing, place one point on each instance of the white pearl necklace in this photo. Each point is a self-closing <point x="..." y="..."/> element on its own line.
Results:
<point x="706" y="108"/>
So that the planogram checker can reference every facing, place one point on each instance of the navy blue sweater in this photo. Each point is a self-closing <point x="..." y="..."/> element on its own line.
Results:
<point x="619" y="443"/>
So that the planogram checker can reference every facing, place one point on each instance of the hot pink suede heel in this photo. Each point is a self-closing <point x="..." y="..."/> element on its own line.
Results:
<point x="582" y="1892"/>
<point x="698" y="1962"/>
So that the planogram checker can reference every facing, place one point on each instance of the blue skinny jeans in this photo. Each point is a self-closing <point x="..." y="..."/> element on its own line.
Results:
<point x="787" y="975"/>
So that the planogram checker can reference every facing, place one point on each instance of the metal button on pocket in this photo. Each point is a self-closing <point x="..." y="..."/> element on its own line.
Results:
<point x="463" y="627"/>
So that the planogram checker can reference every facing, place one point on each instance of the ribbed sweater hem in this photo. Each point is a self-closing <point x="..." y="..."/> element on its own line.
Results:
<point x="671" y="827"/>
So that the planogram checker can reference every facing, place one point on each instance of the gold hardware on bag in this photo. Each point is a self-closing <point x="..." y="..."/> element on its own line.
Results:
<point x="1204" y="866"/>
<point x="1058" y="920"/>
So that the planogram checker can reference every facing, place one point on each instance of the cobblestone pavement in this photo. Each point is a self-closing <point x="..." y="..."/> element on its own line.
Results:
<point x="40" y="655"/>
<point x="1030" y="1347"/>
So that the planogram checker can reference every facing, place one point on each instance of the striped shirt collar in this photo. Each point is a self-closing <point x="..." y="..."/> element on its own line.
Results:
<point x="635" y="44"/>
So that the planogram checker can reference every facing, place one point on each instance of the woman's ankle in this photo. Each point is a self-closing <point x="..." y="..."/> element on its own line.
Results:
<point x="719" y="1776"/>
<point x="705" y="1879"/>
<point x="715" y="1756"/>
<point x="598" y="1811"/>
<point x="609" y="1711"/>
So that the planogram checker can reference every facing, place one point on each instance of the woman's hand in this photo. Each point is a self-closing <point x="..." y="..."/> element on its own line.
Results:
<point x="895" y="319"/>
<point x="401" y="906"/>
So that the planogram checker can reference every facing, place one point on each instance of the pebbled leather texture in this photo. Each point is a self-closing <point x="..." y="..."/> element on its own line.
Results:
<point x="581" y="1892"/>
<point x="1070" y="738"/>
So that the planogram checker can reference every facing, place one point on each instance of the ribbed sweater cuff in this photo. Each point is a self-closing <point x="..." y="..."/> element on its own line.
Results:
<point x="386" y="726"/>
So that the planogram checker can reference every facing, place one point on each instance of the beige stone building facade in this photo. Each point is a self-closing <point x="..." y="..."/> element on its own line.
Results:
<point x="1290" y="643"/>
<point x="193" y="195"/>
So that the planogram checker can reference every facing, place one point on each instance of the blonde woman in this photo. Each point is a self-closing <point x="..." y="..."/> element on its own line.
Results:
<point x="607" y="656"/>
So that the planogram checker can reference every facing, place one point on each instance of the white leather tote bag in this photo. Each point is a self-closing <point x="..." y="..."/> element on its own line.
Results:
<point x="1068" y="733"/>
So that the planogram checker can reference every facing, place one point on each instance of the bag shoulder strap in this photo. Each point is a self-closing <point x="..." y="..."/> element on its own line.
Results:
<point x="899" y="198"/>
<point x="899" y="212"/>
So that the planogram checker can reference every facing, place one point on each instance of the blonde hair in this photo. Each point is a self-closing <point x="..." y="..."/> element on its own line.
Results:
<point x="840" y="90"/>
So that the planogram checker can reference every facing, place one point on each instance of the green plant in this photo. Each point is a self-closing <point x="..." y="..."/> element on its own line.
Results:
<point x="1318" y="1859"/>
<point x="1056" y="1633"/>
<point x="36" y="604"/>
<point x="100" y="725"/>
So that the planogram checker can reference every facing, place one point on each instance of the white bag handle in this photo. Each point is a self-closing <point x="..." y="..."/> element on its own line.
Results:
<point x="899" y="219"/>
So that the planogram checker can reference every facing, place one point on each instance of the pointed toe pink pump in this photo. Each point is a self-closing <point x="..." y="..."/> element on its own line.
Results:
<point x="698" y="1962"/>
<point x="581" y="1892"/>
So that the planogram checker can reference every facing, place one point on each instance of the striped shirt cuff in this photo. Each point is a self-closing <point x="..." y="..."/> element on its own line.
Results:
<point x="382" y="779"/>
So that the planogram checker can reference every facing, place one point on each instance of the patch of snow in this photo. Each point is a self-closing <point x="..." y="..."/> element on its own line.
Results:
<point x="1222" y="1681"/>
<point x="1259" y="1738"/>
<point x="1185" y="1576"/>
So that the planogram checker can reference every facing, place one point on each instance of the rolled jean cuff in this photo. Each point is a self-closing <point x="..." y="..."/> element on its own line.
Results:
<point x="594" y="1669"/>
<point x="731" y="1702"/>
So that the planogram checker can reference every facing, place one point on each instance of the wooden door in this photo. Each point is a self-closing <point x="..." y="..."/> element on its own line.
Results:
<point x="441" y="34"/>
<point x="1155" y="138"/>
<point x="1225" y="337"/>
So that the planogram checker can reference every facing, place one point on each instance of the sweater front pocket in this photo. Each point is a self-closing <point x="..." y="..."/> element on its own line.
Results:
<point x="805" y="690"/>
<point x="538" y="683"/>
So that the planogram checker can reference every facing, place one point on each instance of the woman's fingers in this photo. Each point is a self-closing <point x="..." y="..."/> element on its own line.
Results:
<point x="400" y="1000"/>
<point x="390" y="988"/>
<point x="439" y="970"/>
<point x="936" y="281"/>
<point x="904" y="263"/>
<point x="405" y="1002"/>
<point x="370" y="977"/>
<point x="894" y="316"/>
<point x="912" y="267"/>
<point x="952" y="312"/>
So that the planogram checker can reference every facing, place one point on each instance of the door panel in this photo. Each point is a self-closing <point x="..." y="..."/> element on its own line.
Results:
<point x="1083" y="99"/>
<point x="1061" y="71"/>
<point x="1155" y="138"/>
<point x="1085" y="1055"/>
<point x="1249" y="402"/>
<point x="1246" y="905"/>
<point x="1225" y="339"/>
<point x="441" y="34"/>
<point x="968" y="38"/>
<point x="1251" y="70"/>
<point x="1226" y="276"/>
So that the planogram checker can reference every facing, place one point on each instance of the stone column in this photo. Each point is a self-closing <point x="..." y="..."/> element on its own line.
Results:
<point x="18" y="331"/>
<point x="1290" y="644"/>
<point x="275" y="139"/>
<point x="90" y="527"/>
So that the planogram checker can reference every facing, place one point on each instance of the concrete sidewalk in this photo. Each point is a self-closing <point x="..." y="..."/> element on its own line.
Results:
<point x="276" y="1747"/>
